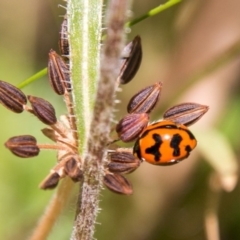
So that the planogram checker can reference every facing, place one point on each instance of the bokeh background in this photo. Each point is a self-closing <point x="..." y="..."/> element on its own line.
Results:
<point x="194" y="49"/>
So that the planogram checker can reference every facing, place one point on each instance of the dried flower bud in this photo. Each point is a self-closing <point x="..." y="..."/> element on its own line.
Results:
<point x="73" y="171"/>
<point x="132" y="57"/>
<point x="63" y="38"/>
<point x="185" y="113"/>
<point x="12" y="97"/>
<point x="117" y="183"/>
<point x="131" y="126"/>
<point x="51" y="181"/>
<point x="43" y="110"/>
<point x="145" y="100"/>
<point x="24" y="146"/>
<point x="58" y="73"/>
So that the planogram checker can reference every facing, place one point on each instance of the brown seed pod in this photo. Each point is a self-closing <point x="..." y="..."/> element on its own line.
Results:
<point x="122" y="162"/>
<point x="43" y="110"/>
<point x="131" y="126"/>
<point x="58" y="73"/>
<point x="185" y="113"/>
<point x="72" y="169"/>
<point x="122" y="156"/>
<point x="145" y="100"/>
<point x="132" y="57"/>
<point x="50" y="182"/>
<point x="63" y="38"/>
<point x="24" y="146"/>
<point x="118" y="167"/>
<point x="49" y="133"/>
<point x="117" y="183"/>
<point x="12" y="97"/>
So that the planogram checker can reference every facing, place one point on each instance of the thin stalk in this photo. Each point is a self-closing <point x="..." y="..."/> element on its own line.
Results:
<point x="51" y="146"/>
<point x="72" y="120"/>
<point x="33" y="78"/>
<point x="84" y="26"/>
<point x="53" y="210"/>
<point x="154" y="12"/>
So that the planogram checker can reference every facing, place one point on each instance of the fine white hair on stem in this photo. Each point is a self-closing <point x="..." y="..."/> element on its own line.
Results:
<point x="100" y="125"/>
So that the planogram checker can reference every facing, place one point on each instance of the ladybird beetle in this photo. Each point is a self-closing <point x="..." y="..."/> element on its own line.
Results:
<point x="164" y="143"/>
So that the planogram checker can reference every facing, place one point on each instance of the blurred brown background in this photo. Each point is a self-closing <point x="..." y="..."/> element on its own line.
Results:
<point x="193" y="48"/>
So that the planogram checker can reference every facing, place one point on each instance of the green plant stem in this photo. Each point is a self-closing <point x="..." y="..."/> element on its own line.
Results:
<point x="33" y="78"/>
<point x="101" y="122"/>
<point x="84" y="26"/>
<point x="154" y="12"/>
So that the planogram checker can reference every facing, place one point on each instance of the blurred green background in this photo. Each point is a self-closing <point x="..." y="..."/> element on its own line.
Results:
<point x="193" y="49"/>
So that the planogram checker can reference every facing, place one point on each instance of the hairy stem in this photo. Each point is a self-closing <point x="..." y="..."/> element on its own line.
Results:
<point x="84" y="26"/>
<point x="101" y="122"/>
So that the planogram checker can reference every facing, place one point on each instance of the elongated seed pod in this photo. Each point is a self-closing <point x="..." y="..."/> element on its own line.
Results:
<point x="49" y="133"/>
<point x="12" y="97"/>
<point x="123" y="168"/>
<point x="185" y="113"/>
<point x="131" y="126"/>
<point x="51" y="181"/>
<point x="132" y="57"/>
<point x="122" y="157"/>
<point x="43" y="110"/>
<point x="117" y="183"/>
<point x="58" y="73"/>
<point x="145" y="100"/>
<point x="24" y="146"/>
<point x="122" y="162"/>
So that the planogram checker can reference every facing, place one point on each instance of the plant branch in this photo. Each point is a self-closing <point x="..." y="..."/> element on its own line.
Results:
<point x="33" y="78"/>
<point x="53" y="210"/>
<point x="154" y="12"/>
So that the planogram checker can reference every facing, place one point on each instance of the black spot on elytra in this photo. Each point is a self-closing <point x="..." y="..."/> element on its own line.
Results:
<point x="175" y="142"/>
<point x="154" y="150"/>
<point x="188" y="149"/>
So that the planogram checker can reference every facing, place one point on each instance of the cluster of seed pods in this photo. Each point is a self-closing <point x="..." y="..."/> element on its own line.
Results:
<point x="62" y="132"/>
<point x="150" y="144"/>
<point x="164" y="142"/>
